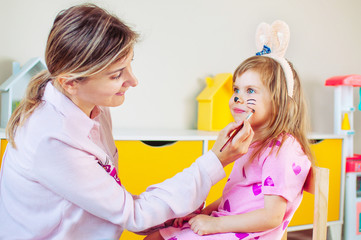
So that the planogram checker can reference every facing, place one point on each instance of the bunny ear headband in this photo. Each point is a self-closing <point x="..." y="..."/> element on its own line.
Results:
<point x="272" y="41"/>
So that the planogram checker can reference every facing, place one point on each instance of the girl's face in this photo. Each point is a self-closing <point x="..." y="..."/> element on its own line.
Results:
<point x="250" y="93"/>
<point x="106" y="88"/>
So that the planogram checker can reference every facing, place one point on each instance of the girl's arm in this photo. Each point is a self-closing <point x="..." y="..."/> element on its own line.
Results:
<point x="258" y="220"/>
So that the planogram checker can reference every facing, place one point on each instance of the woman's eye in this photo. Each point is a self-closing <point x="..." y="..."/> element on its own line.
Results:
<point x="250" y="90"/>
<point x="117" y="76"/>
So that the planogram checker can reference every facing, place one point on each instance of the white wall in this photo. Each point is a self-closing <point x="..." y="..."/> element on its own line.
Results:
<point x="184" y="41"/>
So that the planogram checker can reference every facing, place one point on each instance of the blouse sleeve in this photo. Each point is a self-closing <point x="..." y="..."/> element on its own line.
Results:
<point x="76" y="175"/>
<point x="284" y="172"/>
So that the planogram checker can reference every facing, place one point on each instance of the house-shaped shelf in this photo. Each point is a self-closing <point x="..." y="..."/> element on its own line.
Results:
<point x="213" y="107"/>
<point x="13" y="89"/>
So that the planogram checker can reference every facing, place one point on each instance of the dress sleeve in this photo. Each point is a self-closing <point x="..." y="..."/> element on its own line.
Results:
<point x="76" y="176"/>
<point x="284" y="172"/>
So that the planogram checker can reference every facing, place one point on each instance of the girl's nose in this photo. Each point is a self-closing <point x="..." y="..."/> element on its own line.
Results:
<point x="237" y="99"/>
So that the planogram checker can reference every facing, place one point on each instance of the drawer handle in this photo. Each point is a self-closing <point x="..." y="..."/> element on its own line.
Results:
<point x="158" y="143"/>
<point x="316" y="141"/>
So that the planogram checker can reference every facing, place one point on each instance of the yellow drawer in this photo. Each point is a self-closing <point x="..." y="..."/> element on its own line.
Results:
<point x="141" y="165"/>
<point x="328" y="154"/>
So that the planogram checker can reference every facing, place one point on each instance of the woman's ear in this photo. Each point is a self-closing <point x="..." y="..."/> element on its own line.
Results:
<point x="70" y="86"/>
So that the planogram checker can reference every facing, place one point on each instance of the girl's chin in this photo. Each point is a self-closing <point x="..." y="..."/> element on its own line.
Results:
<point x="239" y="119"/>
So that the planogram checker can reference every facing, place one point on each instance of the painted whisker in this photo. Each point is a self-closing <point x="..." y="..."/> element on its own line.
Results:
<point x="251" y="101"/>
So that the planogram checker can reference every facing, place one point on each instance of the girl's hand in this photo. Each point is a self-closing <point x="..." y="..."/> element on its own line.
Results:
<point x="237" y="147"/>
<point x="203" y="224"/>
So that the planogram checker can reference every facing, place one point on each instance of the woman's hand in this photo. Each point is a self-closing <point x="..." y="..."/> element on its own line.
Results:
<point x="237" y="147"/>
<point x="203" y="224"/>
<point x="178" y="222"/>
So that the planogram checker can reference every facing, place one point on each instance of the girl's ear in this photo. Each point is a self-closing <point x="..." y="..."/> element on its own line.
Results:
<point x="70" y="86"/>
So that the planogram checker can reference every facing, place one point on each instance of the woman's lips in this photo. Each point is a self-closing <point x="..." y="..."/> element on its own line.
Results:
<point x="119" y="93"/>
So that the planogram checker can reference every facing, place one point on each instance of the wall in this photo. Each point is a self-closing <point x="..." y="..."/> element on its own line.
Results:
<point x="184" y="41"/>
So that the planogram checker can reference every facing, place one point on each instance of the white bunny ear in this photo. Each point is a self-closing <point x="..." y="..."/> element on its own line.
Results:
<point x="280" y="35"/>
<point x="263" y="36"/>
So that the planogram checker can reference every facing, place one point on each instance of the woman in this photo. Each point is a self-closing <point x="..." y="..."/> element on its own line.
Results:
<point x="59" y="178"/>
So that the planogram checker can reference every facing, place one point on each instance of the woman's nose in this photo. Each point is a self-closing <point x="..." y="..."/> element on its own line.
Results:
<point x="131" y="80"/>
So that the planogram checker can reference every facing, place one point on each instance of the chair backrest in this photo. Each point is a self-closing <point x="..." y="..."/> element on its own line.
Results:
<point x="317" y="183"/>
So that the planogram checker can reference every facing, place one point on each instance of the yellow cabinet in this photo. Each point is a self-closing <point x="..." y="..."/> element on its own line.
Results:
<point x="144" y="163"/>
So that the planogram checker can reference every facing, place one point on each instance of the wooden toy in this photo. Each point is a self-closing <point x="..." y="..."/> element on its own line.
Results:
<point x="213" y="110"/>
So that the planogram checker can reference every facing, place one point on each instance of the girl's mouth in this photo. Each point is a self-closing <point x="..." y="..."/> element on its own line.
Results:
<point x="238" y="110"/>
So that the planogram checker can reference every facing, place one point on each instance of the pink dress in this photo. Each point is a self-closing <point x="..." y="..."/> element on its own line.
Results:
<point x="281" y="172"/>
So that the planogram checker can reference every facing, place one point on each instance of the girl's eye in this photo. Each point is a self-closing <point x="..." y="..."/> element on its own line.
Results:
<point x="250" y="91"/>
<point x="236" y="90"/>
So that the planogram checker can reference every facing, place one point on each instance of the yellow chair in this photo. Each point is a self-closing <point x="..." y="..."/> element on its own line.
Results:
<point x="317" y="183"/>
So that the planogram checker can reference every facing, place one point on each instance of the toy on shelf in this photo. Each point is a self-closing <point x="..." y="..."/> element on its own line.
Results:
<point x="13" y="89"/>
<point x="353" y="164"/>
<point x="213" y="113"/>
<point x="344" y="125"/>
<point x="344" y="109"/>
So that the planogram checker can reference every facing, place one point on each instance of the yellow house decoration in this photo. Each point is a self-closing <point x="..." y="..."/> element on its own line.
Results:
<point x="213" y="108"/>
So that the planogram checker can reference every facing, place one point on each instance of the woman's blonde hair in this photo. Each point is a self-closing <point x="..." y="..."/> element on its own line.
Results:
<point x="83" y="41"/>
<point x="289" y="115"/>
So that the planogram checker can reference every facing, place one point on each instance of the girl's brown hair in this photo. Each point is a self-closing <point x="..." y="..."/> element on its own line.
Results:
<point x="83" y="41"/>
<point x="289" y="115"/>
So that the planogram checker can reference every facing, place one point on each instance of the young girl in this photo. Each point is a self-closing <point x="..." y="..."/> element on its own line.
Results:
<point x="265" y="186"/>
<point x="58" y="176"/>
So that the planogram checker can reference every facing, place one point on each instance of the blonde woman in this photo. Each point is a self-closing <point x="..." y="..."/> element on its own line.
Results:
<point x="58" y="176"/>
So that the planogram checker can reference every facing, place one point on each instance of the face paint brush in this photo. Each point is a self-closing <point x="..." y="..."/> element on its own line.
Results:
<point x="236" y="131"/>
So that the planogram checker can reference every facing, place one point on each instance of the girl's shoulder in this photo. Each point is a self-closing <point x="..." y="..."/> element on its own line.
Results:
<point x="284" y="145"/>
<point x="286" y="140"/>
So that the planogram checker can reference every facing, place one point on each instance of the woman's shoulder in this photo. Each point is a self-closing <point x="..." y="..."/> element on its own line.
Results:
<point x="47" y="122"/>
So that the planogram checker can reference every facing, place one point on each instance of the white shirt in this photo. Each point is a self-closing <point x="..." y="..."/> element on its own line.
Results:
<point x="52" y="186"/>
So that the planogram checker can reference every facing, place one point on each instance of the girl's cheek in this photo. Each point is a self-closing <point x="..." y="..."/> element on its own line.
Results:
<point x="230" y="102"/>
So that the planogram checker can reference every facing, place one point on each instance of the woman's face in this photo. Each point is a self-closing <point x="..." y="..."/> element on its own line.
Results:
<point x="250" y="93"/>
<point x="106" y="88"/>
